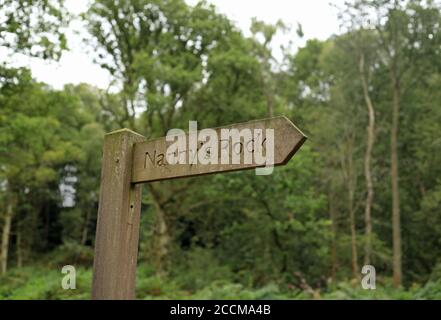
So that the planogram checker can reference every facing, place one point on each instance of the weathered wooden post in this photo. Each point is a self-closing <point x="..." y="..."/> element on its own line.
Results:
<point x="117" y="234"/>
<point x="128" y="161"/>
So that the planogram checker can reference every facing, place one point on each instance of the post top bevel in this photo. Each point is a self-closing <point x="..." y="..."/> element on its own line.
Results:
<point x="124" y="130"/>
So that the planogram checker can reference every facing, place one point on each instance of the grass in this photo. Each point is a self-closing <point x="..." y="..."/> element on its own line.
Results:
<point x="45" y="283"/>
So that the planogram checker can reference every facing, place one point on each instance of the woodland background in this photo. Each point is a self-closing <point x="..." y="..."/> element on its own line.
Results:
<point x="364" y="189"/>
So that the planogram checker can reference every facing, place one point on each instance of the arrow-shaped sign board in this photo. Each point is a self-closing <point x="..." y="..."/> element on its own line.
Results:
<point x="240" y="146"/>
<point x="129" y="160"/>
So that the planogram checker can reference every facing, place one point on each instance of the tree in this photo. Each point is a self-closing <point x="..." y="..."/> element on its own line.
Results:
<point x="364" y="43"/>
<point x="164" y="55"/>
<point x="400" y="27"/>
<point x="33" y="27"/>
<point x="266" y="58"/>
<point x="30" y="157"/>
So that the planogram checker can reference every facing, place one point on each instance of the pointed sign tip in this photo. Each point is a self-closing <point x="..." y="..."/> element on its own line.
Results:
<point x="294" y="150"/>
<point x="294" y="126"/>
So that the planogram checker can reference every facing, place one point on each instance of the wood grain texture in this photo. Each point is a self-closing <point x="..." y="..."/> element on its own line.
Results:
<point x="149" y="162"/>
<point x="126" y="165"/>
<point x="116" y="244"/>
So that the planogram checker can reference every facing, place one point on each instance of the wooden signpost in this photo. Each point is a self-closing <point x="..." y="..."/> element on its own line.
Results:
<point x="129" y="160"/>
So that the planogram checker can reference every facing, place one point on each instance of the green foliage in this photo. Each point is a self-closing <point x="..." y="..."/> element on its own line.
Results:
<point x="45" y="283"/>
<point x="289" y="235"/>
<point x="383" y="291"/>
<point x="70" y="253"/>
<point x="32" y="283"/>
<point x="197" y="268"/>
<point x="34" y="27"/>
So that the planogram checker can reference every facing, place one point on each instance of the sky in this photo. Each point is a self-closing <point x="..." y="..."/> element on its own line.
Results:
<point x="317" y="17"/>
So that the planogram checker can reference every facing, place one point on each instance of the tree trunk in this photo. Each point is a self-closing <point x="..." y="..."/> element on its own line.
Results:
<point x="5" y="236"/>
<point x="269" y="102"/>
<point x="267" y="92"/>
<point x="355" y="269"/>
<point x="396" y="227"/>
<point x="276" y="238"/>
<point x="350" y="178"/>
<point x="162" y="238"/>
<point x="334" y="256"/>
<point x="370" y="139"/>
<point x="19" y="249"/>
<point x="85" y="228"/>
